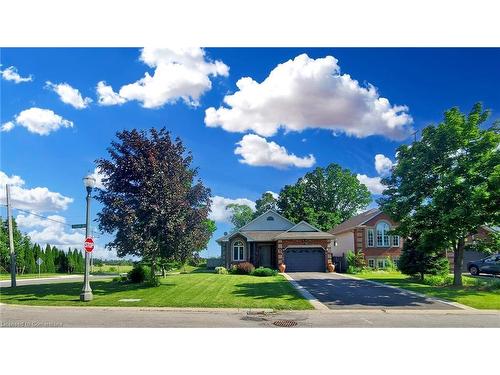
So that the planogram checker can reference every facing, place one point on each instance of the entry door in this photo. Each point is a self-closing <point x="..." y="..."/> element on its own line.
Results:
<point x="265" y="256"/>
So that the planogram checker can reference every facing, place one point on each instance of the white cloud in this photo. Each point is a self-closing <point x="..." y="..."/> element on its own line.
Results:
<point x="218" y="208"/>
<point x="69" y="95"/>
<point x="7" y="127"/>
<point x="11" y="74"/>
<point x="257" y="151"/>
<point x="182" y="73"/>
<point x="36" y="199"/>
<point x="38" y="120"/>
<point x="373" y="184"/>
<point x="54" y="230"/>
<point x="98" y="175"/>
<point x="383" y="165"/>
<point x="309" y="93"/>
<point x="275" y="195"/>
<point x="50" y="231"/>
<point x="107" y="96"/>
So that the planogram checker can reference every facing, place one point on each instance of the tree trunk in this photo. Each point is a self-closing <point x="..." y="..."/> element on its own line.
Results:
<point x="163" y="273"/>
<point x="458" y="258"/>
<point x="421" y="276"/>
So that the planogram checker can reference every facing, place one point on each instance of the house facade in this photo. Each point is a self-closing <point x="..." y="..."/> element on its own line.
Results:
<point x="271" y="240"/>
<point x="368" y="232"/>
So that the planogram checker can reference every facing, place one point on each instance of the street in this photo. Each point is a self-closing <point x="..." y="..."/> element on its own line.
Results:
<point x="54" y="279"/>
<point x="129" y="317"/>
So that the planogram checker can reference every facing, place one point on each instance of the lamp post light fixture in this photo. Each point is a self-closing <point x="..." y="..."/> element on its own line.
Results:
<point x="86" y="294"/>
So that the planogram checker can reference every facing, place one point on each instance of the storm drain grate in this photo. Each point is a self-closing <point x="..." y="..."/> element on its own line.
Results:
<point x="285" y="323"/>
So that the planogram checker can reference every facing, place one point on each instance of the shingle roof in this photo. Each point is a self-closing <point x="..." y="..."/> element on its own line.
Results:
<point x="261" y="235"/>
<point x="355" y="221"/>
<point x="304" y="235"/>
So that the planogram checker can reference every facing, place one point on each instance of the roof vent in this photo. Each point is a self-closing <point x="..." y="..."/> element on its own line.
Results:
<point x="225" y="233"/>
<point x="270" y="218"/>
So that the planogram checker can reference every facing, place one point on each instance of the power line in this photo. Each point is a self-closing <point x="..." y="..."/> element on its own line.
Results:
<point x="43" y="217"/>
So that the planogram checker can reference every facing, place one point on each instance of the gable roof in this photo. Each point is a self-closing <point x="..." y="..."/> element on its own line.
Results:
<point x="261" y="223"/>
<point x="355" y="221"/>
<point x="303" y="226"/>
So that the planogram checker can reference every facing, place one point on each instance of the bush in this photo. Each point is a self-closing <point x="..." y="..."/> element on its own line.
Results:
<point x="243" y="268"/>
<point x="261" y="271"/>
<point x="438" y="280"/>
<point x="389" y="264"/>
<point x="139" y="273"/>
<point x="351" y="269"/>
<point x="355" y="261"/>
<point x="221" y="270"/>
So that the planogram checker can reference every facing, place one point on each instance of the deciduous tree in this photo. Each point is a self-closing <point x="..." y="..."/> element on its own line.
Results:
<point x="151" y="201"/>
<point x="324" y="197"/>
<point x="448" y="181"/>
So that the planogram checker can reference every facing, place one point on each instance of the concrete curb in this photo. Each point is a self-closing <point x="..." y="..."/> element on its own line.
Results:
<point x="306" y="294"/>
<point x="454" y="304"/>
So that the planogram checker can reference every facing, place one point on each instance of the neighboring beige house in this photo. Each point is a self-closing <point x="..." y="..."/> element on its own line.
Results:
<point x="368" y="232"/>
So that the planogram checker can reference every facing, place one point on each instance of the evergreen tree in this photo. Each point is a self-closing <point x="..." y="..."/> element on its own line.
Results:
<point x="30" y="261"/>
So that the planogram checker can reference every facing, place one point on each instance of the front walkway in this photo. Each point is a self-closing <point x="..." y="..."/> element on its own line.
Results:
<point x="337" y="291"/>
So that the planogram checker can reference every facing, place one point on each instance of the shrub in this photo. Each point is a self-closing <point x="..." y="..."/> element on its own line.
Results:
<point x="221" y="270"/>
<point x="243" y="268"/>
<point x="389" y="264"/>
<point x="351" y="269"/>
<point x="355" y="261"/>
<point x="139" y="273"/>
<point x="261" y="271"/>
<point x="438" y="280"/>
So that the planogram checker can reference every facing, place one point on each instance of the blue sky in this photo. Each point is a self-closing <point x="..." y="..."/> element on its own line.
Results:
<point x="283" y="125"/>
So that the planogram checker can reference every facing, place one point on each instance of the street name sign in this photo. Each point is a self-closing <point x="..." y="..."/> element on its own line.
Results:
<point x="78" y="226"/>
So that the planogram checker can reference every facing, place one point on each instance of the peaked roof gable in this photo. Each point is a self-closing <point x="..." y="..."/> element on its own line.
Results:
<point x="269" y="220"/>
<point x="355" y="221"/>
<point x="303" y="226"/>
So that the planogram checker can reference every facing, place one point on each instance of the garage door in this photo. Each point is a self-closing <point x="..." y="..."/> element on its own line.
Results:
<point x="305" y="260"/>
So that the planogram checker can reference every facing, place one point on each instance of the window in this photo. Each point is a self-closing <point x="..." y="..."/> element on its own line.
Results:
<point x="270" y="218"/>
<point x="371" y="263"/>
<point x="395" y="241"/>
<point x="238" y="251"/>
<point x="370" y="238"/>
<point x="380" y="263"/>
<point x="335" y="243"/>
<point x="382" y="234"/>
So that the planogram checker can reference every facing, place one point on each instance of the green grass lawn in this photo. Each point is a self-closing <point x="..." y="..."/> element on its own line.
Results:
<point x="4" y="276"/>
<point x="110" y="268"/>
<point x="184" y="290"/>
<point x="471" y="294"/>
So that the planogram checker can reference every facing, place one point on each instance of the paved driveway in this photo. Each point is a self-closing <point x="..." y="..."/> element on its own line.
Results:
<point x="341" y="292"/>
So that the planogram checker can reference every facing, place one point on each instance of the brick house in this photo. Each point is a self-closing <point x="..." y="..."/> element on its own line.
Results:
<point x="270" y="240"/>
<point x="368" y="232"/>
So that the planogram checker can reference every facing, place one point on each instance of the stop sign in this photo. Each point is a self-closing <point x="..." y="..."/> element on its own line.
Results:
<point x="88" y="245"/>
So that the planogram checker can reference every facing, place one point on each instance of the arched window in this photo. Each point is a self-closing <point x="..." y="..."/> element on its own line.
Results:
<point x="238" y="250"/>
<point x="383" y="234"/>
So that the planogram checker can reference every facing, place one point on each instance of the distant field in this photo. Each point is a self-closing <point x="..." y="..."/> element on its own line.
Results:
<point x="109" y="268"/>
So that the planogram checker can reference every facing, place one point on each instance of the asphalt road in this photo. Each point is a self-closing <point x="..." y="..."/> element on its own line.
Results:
<point x="55" y="279"/>
<point x="337" y="291"/>
<point x="31" y="316"/>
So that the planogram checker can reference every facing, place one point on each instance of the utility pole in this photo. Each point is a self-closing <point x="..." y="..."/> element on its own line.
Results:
<point x="11" y="240"/>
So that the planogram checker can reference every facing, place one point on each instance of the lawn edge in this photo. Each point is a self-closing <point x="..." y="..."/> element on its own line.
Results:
<point x="306" y="294"/>
<point x="435" y="299"/>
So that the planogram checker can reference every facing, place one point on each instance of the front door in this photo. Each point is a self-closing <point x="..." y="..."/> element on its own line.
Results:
<point x="265" y="256"/>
